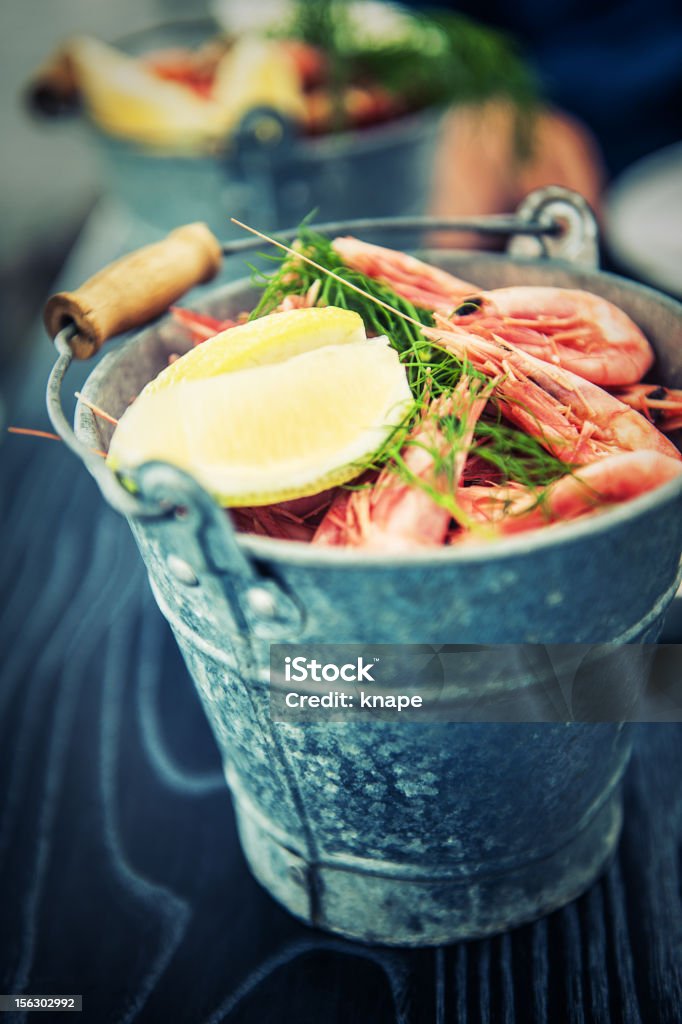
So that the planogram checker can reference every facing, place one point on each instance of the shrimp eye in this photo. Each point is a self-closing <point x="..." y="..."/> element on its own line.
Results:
<point x="469" y="306"/>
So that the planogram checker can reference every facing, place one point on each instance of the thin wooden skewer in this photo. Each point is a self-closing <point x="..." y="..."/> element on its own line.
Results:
<point x="94" y="408"/>
<point x="329" y="273"/>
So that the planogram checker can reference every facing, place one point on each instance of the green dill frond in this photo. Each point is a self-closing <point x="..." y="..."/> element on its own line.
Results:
<point x="516" y="456"/>
<point x="429" y="58"/>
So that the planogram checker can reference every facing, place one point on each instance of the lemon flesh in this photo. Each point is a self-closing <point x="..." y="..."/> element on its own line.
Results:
<point x="128" y="100"/>
<point x="257" y="73"/>
<point x="273" y="432"/>
<point x="270" y="339"/>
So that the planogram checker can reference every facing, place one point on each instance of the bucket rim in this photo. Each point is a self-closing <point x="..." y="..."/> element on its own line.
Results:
<point x="295" y="552"/>
<point x="300" y="553"/>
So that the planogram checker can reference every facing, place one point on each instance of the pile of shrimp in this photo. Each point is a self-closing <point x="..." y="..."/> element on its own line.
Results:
<point x="565" y="366"/>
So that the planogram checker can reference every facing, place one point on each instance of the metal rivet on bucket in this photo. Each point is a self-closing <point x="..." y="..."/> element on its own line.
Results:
<point x="298" y="875"/>
<point x="261" y="601"/>
<point x="182" y="571"/>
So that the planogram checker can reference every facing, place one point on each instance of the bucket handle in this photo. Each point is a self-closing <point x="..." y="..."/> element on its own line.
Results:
<point x="551" y="223"/>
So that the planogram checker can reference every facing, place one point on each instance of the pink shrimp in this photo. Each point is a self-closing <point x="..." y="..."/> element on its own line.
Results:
<point x="575" y="420"/>
<point x="611" y="480"/>
<point x="398" y="514"/>
<point x="288" y="520"/>
<point x="270" y="521"/>
<point x="309" y="298"/>
<point x="571" y="328"/>
<point x="200" y="326"/>
<point x="574" y="329"/>
<point x="421" y="284"/>
<point x="661" y="406"/>
<point x="334" y="528"/>
<point x="489" y="503"/>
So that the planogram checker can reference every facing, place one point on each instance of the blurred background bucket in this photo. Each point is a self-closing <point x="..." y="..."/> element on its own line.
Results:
<point x="405" y="833"/>
<point x="268" y="175"/>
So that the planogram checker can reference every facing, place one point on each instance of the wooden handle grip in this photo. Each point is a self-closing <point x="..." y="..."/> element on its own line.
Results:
<point x="134" y="289"/>
<point x="53" y="88"/>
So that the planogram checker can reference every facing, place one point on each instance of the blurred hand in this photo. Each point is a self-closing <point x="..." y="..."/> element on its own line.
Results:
<point x="479" y="172"/>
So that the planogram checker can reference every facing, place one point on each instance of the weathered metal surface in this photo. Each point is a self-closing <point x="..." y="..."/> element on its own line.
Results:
<point x="338" y="176"/>
<point x="405" y="833"/>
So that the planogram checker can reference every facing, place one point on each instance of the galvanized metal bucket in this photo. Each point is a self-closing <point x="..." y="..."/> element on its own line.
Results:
<point x="406" y="833"/>
<point x="267" y="175"/>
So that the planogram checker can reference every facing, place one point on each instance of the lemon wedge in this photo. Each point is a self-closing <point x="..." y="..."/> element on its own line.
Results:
<point x="128" y="100"/>
<point x="257" y="72"/>
<point x="270" y="339"/>
<point x="298" y="418"/>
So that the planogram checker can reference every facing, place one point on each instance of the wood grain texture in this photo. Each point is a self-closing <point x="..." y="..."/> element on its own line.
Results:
<point x="135" y="288"/>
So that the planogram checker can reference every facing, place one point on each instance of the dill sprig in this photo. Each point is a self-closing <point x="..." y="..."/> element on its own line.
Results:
<point x="427" y="58"/>
<point x="448" y="57"/>
<point x="322" y="23"/>
<point x="517" y="457"/>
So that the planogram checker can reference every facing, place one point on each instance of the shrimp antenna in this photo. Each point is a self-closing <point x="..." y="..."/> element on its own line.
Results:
<point x="96" y="409"/>
<point x="29" y="432"/>
<point x="329" y="273"/>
